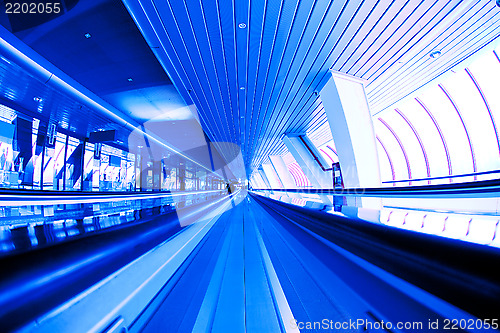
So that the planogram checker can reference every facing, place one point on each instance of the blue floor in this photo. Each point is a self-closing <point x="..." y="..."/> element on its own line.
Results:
<point x="257" y="271"/>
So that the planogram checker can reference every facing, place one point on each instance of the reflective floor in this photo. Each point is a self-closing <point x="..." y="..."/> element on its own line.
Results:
<point x="44" y="221"/>
<point x="245" y="264"/>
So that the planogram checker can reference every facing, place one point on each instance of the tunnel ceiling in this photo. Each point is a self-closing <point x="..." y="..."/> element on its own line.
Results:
<point x="252" y="68"/>
<point x="97" y="44"/>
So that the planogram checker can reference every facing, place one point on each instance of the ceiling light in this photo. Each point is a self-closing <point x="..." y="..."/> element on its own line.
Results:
<point x="130" y="79"/>
<point x="242" y="25"/>
<point x="435" y="54"/>
<point x="87" y="35"/>
<point x="242" y="88"/>
<point x="37" y="99"/>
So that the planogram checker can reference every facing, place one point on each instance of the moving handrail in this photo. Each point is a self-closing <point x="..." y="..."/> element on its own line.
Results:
<point x="486" y="188"/>
<point x="464" y="274"/>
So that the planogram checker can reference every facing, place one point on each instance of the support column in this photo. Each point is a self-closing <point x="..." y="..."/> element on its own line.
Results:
<point x="348" y="113"/>
<point x="272" y="176"/>
<point x="309" y="159"/>
<point x="261" y="181"/>
<point x="257" y="181"/>
<point x="264" y="178"/>
<point x="282" y="171"/>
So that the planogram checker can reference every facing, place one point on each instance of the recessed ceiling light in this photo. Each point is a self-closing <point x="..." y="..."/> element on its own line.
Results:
<point x="87" y="35"/>
<point x="242" y="88"/>
<point x="242" y="25"/>
<point x="37" y="99"/>
<point x="435" y="54"/>
<point x="130" y="79"/>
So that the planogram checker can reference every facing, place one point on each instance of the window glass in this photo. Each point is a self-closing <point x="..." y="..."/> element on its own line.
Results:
<point x="37" y="150"/>
<point x="451" y="126"/>
<point x="385" y="166"/>
<point x="429" y="134"/>
<point x="296" y="171"/>
<point x="8" y="176"/>
<point x="329" y="152"/>
<point x="486" y="73"/>
<point x="88" y="167"/>
<point x="54" y="162"/>
<point x="409" y="141"/>
<point x="475" y="115"/>
<point x="73" y="165"/>
<point x="130" y="174"/>
<point x="474" y="121"/>
<point x="392" y="146"/>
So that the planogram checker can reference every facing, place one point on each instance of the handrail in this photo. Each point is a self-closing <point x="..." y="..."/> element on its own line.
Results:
<point x="442" y="177"/>
<point x="462" y="273"/>
<point x="483" y="188"/>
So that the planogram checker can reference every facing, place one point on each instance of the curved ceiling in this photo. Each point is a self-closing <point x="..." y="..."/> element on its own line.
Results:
<point x="253" y="68"/>
<point x="98" y="45"/>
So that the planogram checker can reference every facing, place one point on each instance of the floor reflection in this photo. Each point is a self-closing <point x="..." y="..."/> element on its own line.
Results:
<point x="27" y="227"/>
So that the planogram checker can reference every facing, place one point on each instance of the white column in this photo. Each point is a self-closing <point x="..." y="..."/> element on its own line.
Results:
<point x="348" y="113"/>
<point x="264" y="178"/>
<point x="253" y="181"/>
<point x="307" y="162"/>
<point x="260" y="183"/>
<point x="272" y="176"/>
<point x="283" y="172"/>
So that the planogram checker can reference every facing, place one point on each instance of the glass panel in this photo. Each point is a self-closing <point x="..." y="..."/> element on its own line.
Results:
<point x="409" y="142"/>
<point x="392" y="146"/>
<point x="190" y="181"/>
<point x="73" y="165"/>
<point x="104" y="173"/>
<point x="385" y="166"/>
<point x="138" y="173"/>
<point x="130" y="178"/>
<point x="88" y="166"/>
<point x="201" y="175"/>
<point x="96" y="174"/>
<point x="8" y="177"/>
<point x="486" y="72"/>
<point x="329" y="152"/>
<point x="476" y="118"/>
<point x="113" y="169"/>
<point x="54" y="163"/>
<point x="474" y="91"/>
<point x="37" y="155"/>
<point x="296" y="171"/>
<point x="452" y="128"/>
<point x="429" y="134"/>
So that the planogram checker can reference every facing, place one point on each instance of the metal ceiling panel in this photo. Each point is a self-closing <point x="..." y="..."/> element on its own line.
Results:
<point x="252" y="68"/>
<point x="20" y="91"/>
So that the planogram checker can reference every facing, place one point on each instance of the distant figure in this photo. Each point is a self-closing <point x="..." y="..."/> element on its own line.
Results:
<point x="228" y="187"/>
